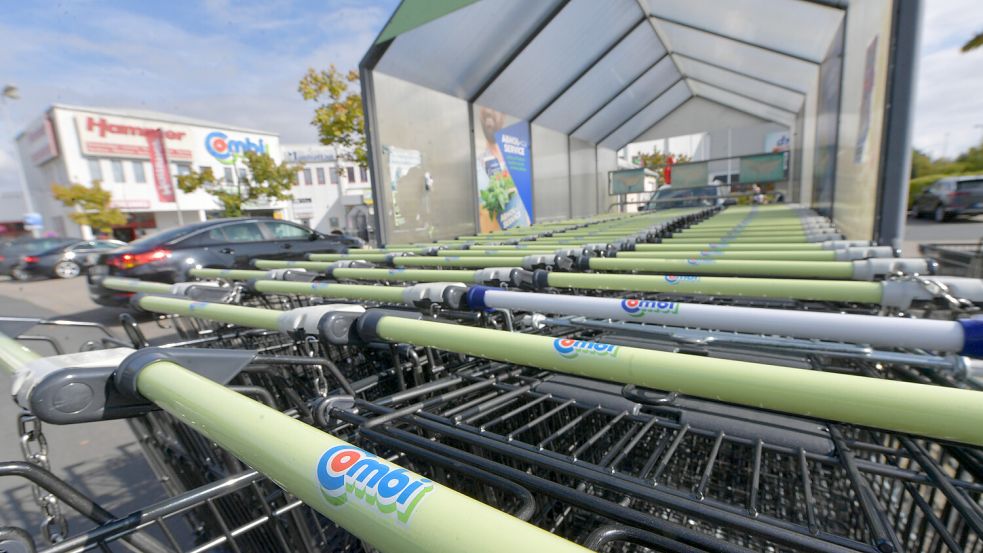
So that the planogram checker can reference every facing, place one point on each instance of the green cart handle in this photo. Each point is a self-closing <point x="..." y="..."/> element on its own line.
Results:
<point x="385" y="505"/>
<point x="933" y="411"/>
<point x="382" y="503"/>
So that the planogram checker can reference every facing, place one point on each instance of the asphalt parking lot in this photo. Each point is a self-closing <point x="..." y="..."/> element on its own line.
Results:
<point x="921" y="231"/>
<point x="101" y="459"/>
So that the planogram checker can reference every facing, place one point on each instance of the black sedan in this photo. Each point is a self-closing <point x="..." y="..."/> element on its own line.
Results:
<point x="12" y="253"/>
<point x="222" y="243"/>
<point x="66" y="260"/>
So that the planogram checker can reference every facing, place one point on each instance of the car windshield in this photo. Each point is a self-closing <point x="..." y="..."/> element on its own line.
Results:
<point x="56" y="247"/>
<point x="165" y="236"/>
<point x="43" y="245"/>
<point x="970" y="185"/>
<point x="680" y="197"/>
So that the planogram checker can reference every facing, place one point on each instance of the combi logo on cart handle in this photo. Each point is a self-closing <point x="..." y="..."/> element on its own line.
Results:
<point x="639" y="308"/>
<point x="570" y="348"/>
<point x="347" y="472"/>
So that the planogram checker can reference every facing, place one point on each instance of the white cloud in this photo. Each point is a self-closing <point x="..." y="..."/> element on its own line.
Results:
<point x="243" y="71"/>
<point x="948" y="103"/>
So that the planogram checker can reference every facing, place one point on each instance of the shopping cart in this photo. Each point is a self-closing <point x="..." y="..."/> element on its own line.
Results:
<point x="245" y="511"/>
<point x="641" y="458"/>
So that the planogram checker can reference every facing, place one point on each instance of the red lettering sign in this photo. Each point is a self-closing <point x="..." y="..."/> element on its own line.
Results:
<point x="158" y="162"/>
<point x="105" y="127"/>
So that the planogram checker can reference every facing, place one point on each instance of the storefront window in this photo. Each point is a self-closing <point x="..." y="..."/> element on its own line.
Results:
<point x="138" y="173"/>
<point x="95" y="169"/>
<point x="117" y="166"/>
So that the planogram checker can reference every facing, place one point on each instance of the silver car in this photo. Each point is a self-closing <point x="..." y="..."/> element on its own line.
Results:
<point x="950" y="197"/>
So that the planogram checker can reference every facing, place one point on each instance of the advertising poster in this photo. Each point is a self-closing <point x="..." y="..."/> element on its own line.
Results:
<point x="401" y="161"/>
<point x="504" y="172"/>
<point x="860" y="154"/>
<point x="158" y="163"/>
<point x="777" y="142"/>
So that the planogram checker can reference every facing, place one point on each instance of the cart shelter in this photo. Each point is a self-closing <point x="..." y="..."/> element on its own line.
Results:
<point x="493" y="113"/>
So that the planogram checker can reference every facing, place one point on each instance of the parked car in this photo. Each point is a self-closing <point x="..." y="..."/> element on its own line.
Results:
<point x="11" y="254"/>
<point x="222" y="243"/>
<point x="950" y="197"/>
<point x="64" y="260"/>
<point x="669" y="197"/>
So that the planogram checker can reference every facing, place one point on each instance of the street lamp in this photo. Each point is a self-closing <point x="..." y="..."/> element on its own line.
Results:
<point x="10" y="92"/>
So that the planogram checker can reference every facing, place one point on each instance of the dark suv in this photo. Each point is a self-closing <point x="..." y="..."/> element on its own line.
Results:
<point x="950" y="197"/>
<point x="222" y="243"/>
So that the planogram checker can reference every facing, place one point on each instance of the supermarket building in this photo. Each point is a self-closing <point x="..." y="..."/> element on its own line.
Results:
<point x="333" y="193"/>
<point x="80" y="145"/>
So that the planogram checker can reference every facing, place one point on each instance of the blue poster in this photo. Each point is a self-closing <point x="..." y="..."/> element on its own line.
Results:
<point x="513" y="143"/>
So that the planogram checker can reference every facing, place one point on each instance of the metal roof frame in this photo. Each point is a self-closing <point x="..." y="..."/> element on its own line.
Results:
<point x="657" y="22"/>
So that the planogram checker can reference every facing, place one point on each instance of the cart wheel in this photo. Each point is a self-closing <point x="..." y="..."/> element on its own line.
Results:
<point x="940" y="216"/>
<point x="67" y="269"/>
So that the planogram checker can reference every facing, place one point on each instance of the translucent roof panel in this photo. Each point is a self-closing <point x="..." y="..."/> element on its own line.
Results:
<point x="653" y="82"/>
<point x="650" y="115"/>
<point x="742" y="103"/>
<point x="617" y="69"/>
<point x="767" y="93"/>
<point x="463" y="48"/>
<point x="739" y="57"/>
<point x="546" y="67"/>
<point x="802" y="29"/>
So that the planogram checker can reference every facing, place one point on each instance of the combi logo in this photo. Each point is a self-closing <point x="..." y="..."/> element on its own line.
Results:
<point x="676" y="279"/>
<point x="226" y="151"/>
<point x="570" y="348"/>
<point x="640" y="308"/>
<point x="347" y="472"/>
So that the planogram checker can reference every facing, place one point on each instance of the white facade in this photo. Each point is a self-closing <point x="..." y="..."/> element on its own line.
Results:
<point x="80" y="145"/>
<point x="332" y="193"/>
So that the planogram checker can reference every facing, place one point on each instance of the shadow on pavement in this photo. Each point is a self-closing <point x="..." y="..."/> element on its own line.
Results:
<point x="120" y="480"/>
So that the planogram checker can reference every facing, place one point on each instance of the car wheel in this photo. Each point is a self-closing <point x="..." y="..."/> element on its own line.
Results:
<point x="18" y="273"/>
<point x="940" y="215"/>
<point x="67" y="269"/>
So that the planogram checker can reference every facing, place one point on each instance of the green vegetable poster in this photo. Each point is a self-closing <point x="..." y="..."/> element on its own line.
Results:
<point x="504" y="173"/>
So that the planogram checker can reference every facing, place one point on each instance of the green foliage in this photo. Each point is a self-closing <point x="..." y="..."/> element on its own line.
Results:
<point x="269" y="182"/>
<point x="93" y="204"/>
<point x="973" y="43"/>
<point x="921" y="163"/>
<point x="338" y="115"/>
<point x="656" y="160"/>
<point x="496" y="196"/>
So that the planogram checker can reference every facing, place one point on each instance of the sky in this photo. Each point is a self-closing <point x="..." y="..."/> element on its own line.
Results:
<point x="238" y="62"/>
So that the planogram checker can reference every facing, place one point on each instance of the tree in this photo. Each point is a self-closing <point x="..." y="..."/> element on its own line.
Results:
<point x="921" y="163"/>
<point x="338" y="116"/>
<point x="656" y="160"/>
<point x="269" y="181"/>
<point x="973" y="43"/>
<point x="92" y="205"/>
